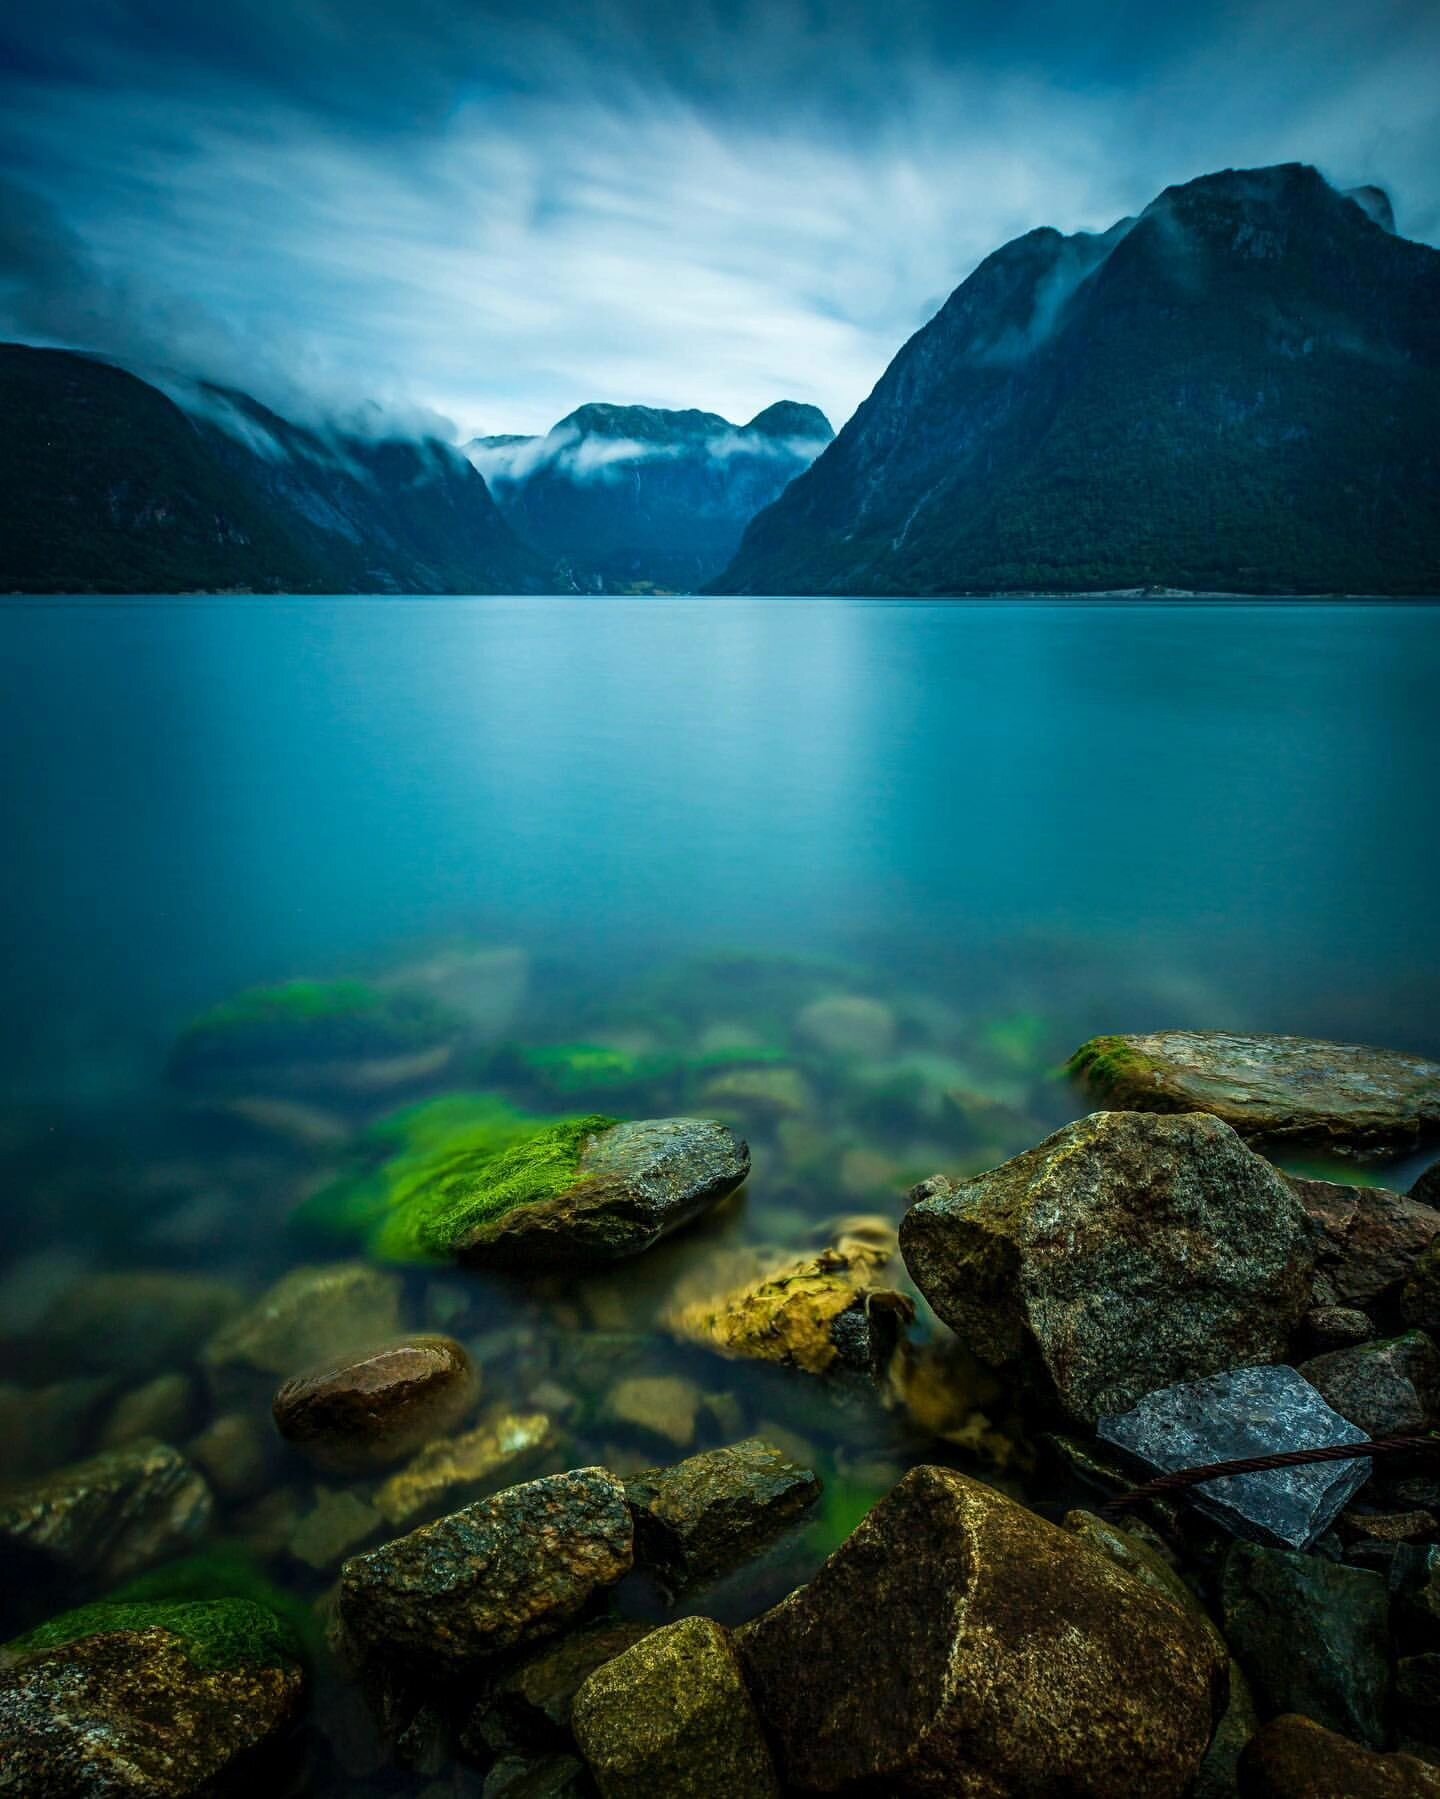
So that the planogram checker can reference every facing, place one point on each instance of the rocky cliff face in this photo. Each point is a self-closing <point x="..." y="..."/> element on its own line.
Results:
<point x="628" y="498"/>
<point x="107" y="485"/>
<point x="1237" y="391"/>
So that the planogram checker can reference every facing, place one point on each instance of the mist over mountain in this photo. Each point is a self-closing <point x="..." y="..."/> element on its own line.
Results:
<point x="626" y="498"/>
<point x="1237" y="391"/>
<point x="108" y="485"/>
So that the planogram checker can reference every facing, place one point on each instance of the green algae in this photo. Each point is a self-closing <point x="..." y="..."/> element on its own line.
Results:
<point x="1105" y="1063"/>
<point x="216" y="1633"/>
<point x="223" y="1571"/>
<point x="438" y="1206"/>
<point x="569" y="1069"/>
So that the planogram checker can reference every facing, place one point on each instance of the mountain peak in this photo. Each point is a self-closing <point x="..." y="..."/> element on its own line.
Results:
<point x="791" y="418"/>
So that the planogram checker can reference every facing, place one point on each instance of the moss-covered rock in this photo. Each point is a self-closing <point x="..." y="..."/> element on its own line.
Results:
<point x="959" y="1645"/>
<point x="1342" y="1098"/>
<point x="673" y="1715"/>
<point x="358" y="1412"/>
<point x="496" y="1576"/>
<point x="343" y="1034"/>
<point x="143" y="1700"/>
<point x="580" y="1071"/>
<point x="1126" y="1252"/>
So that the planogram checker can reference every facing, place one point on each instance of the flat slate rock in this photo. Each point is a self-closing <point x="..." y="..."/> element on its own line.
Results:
<point x="1344" y="1097"/>
<point x="1248" y="1412"/>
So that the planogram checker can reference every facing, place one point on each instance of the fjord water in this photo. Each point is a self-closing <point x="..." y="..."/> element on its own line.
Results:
<point x="1013" y="824"/>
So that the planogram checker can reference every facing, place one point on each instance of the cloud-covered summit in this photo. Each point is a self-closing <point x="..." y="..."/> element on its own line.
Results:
<point x="490" y="213"/>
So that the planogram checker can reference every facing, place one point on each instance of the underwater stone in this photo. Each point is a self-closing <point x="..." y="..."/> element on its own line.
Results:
<point x="672" y="1715"/>
<point x="231" y="1452"/>
<point x="143" y="1701"/>
<point x="547" y="1777"/>
<point x="1342" y="1097"/>
<point x="1387" y="1388"/>
<point x="111" y="1516"/>
<point x="957" y="1644"/>
<point x="530" y="1706"/>
<point x="1233" y="1416"/>
<point x="495" y="1576"/>
<point x="162" y="1408"/>
<point x="659" y="1405"/>
<point x="339" y="1522"/>
<point x="135" y="1322"/>
<point x="308" y="1316"/>
<point x="495" y="1447"/>
<point x="716" y="1510"/>
<point x="766" y="1090"/>
<point x="1312" y="1637"/>
<point x="846" y="1024"/>
<point x="360" y="1412"/>
<point x="1294" y="1758"/>
<point x="1125" y="1252"/>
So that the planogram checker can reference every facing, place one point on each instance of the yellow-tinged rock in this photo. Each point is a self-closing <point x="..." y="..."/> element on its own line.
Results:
<point x="476" y="1455"/>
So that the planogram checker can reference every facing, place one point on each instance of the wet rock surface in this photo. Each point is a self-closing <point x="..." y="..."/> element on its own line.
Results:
<point x="143" y="1701"/>
<point x="1344" y="1097"/>
<point x="709" y="1513"/>
<point x="1368" y="1240"/>
<point x="359" y="1412"/>
<point x="1125" y="1252"/>
<point x="673" y="1715"/>
<point x="1294" y="1758"/>
<point x="112" y="1516"/>
<point x="529" y="1707"/>
<point x="492" y="1577"/>
<point x="1312" y="1637"/>
<point x="997" y="1654"/>
<point x="1232" y="1417"/>
<point x="1420" y="1297"/>
<point x="1388" y="1388"/>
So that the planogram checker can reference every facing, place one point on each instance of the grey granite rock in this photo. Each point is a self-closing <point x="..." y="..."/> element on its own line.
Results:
<point x="1387" y="1388"/>
<point x="1248" y="1412"/>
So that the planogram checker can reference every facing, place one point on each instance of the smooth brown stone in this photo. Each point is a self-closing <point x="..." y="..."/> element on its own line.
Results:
<point x="366" y="1411"/>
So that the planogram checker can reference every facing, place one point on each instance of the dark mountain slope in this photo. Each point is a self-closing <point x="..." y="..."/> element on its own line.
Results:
<point x="1238" y="391"/>
<point x="106" y="485"/>
<point x="635" y="496"/>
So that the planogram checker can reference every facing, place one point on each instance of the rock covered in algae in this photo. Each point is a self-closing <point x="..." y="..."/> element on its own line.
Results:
<point x="1124" y="1253"/>
<point x="309" y="1315"/>
<point x="109" y="1517"/>
<point x="495" y="1447"/>
<point x="1368" y="1240"/>
<point x="959" y="1645"/>
<point x="825" y="1313"/>
<point x="1295" y="1758"/>
<point x="581" y="1189"/>
<point x="359" y="1412"/>
<point x="146" y="1700"/>
<point x="494" y="1576"/>
<point x="1342" y="1097"/>
<point x="344" y="1034"/>
<point x="1232" y="1417"/>
<point x="673" y="1715"/>
<point x="713" y="1511"/>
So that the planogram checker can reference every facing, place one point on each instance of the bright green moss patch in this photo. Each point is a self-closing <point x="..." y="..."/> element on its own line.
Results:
<point x="217" y="1633"/>
<point x="224" y="1571"/>
<point x="1105" y="1063"/>
<point x="442" y="1204"/>
<point x="568" y="1069"/>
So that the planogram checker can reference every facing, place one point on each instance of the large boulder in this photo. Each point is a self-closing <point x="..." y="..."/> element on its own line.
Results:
<point x="959" y="1645"/>
<point x="1294" y="1758"/>
<point x="494" y="1576"/>
<point x="581" y="1190"/>
<point x="1296" y="1091"/>
<point x="358" y="1412"/>
<point x="672" y="1715"/>
<point x="107" y="1518"/>
<point x="1124" y="1253"/>
<point x="145" y="1700"/>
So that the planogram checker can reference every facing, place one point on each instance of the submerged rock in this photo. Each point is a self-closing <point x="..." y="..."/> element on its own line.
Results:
<point x="339" y="1522"/>
<point x="1387" y="1388"/>
<point x="848" y="1024"/>
<point x="344" y="1035"/>
<point x="308" y="1316"/>
<point x="162" y="1408"/>
<point x="109" y="1517"/>
<point x="1368" y="1240"/>
<point x="672" y="1715"/>
<point x="496" y="1447"/>
<point x="1232" y="1417"/>
<point x="1294" y="1758"/>
<point x="359" y="1412"/>
<point x="1123" y="1253"/>
<point x="545" y="1777"/>
<point x="135" y="1321"/>
<point x="714" y="1511"/>
<point x="529" y="1707"/>
<point x="1342" y="1097"/>
<point x="827" y="1313"/>
<point x="764" y="1090"/>
<point x="959" y="1645"/>
<point x="1311" y="1636"/>
<point x="495" y="1576"/>
<point x="583" y="1189"/>
<point x="143" y="1701"/>
<point x="659" y="1405"/>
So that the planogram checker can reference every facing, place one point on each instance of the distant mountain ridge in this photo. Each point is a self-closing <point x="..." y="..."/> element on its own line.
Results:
<point x="625" y="498"/>
<point x="1237" y="391"/>
<point x="107" y="485"/>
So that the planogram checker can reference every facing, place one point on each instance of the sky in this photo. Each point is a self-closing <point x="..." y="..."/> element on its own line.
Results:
<point x="479" y="216"/>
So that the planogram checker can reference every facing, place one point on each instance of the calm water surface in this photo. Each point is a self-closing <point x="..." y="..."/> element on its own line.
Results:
<point x="1013" y="824"/>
